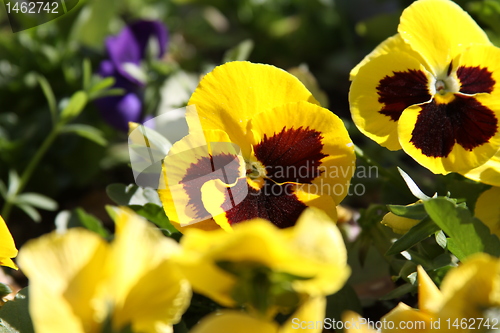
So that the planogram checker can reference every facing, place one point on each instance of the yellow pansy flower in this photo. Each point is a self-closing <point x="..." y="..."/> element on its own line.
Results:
<point x="468" y="292"/>
<point x="7" y="247"/>
<point x="310" y="258"/>
<point x="307" y="318"/>
<point x="259" y="146"/>
<point x="433" y="89"/>
<point x="488" y="210"/>
<point x="78" y="281"/>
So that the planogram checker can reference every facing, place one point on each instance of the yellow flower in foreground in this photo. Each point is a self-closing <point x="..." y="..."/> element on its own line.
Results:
<point x="488" y="210"/>
<point x="308" y="259"/>
<point x="259" y="147"/>
<point x="7" y="247"/>
<point x="78" y="281"/>
<point x="469" y="296"/>
<point x="311" y="313"/>
<point x="432" y="89"/>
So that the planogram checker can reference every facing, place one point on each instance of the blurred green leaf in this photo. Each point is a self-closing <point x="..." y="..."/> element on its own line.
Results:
<point x="36" y="200"/>
<point x="108" y="92"/>
<point x="30" y="211"/>
<point x="14" y="182"/>
<point x="100" y="84"/>
<point x="416" y="234"/>
<point x="91" y="222"/>
<point x="75" y="106"/>
<point x="467" y="235"/>
<point x="416" y="211"/>
<point x="240" y="52"/>
<point x="86" y="131"/>
<point x="155" y="214"/>
<point x="49" y="95"/>
<point x="94" y="22"/>
<point x="15" y="315"/>
<point x="4" y="290"/>
<point x="79" y="218"/>
<point x="86" y="73"/>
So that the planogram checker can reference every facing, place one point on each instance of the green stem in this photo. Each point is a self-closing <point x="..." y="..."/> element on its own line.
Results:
<point x="29" y="171"/>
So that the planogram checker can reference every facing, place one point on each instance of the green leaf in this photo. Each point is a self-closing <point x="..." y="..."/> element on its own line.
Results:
<point x="441" y="239"/>
<point x="467" y="235"/>
<point x="15" y="315"/>
<point x="30" y="211"/>
<point x="86" y="73"/>
<point x="87" y="132"/>
<point x="14" y="182"/>
<point x="416" y="211"/>
<point x="4" y="290"/>
<point x="91" y="222"/>
<point x="240" y="52"/>
<point x="75" y="106"/>
<point x="414" y="189"/>
<point x="49" y="95"/>
<point x="101" y="84"/>
<point x="108" y="92"/>
<point x="155" y="214"/>
<point x="416" y="234"/>
<point x="79" y="218"/>
<point x="37" y="200"/>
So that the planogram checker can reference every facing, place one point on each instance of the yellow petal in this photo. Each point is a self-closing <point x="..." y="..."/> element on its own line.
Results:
<point x="229" y="96"/>
<point x="313" y="248"/>
<point x="402" y="316"/>
<point x="231" y="321"/>
<point x="65" y="270"/>
<point x="191" y="163"/>
<point x="292" y="139"/>
<point x="138" y="273"/>
<point x="439" y="30"/>
<point x="398" y="224"/>
<point x="390" y="45"/>
<point x="317" y="241"/>
<point x="471" y="288"/>
<point x="309" y="317"/>
<point x="488" y="173"/>
<point x="430" y="298"/>
<point x="383" y="88"/>
<point x="439" y="138"/>
<point x="7" y="247"/>
<point x="353" y="323"/>
<point x="488" y="210"/>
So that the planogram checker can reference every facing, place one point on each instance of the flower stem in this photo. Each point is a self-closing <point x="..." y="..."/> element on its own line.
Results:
<point x="29" y="171"/>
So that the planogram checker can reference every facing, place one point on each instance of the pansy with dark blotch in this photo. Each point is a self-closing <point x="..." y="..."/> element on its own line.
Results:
<point x="259" y="146"/>
<point x="432" y="89"/>
<point x="126" y="52"/>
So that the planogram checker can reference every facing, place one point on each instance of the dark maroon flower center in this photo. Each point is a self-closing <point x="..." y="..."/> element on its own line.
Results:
<point x="401" y="90"/>
<point x="292" y="155"/>
<point x="464" y="121"/>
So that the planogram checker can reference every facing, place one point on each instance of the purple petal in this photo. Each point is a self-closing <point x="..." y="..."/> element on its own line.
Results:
<point x="129" y="46"/>
<point x="144" y="30"/>
<point x="118" y="111"/>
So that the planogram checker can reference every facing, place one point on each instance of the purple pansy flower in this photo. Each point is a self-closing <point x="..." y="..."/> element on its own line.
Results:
<point x="126" y="51"/>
